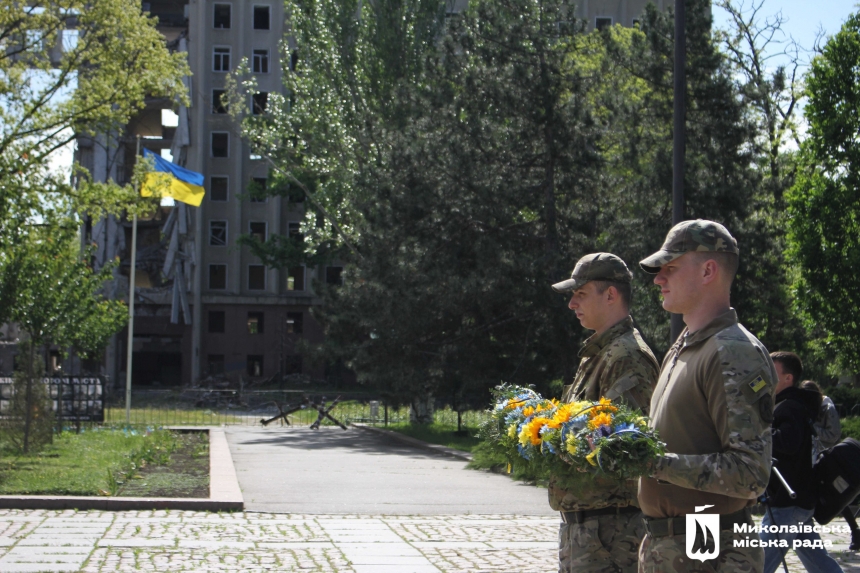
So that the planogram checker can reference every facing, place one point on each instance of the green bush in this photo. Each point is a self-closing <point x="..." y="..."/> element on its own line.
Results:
<point x="845" y="397"/>
<point x="851" y="427"/>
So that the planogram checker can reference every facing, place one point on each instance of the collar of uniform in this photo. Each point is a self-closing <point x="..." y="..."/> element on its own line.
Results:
<point x="722" y="322"/>
<point x="595" y="343"/>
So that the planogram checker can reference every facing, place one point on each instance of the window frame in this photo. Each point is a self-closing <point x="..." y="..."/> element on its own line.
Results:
<point x="260" y="56"/>
<point x="212" y="135"/>
<point x="597" y="19"/>
<point x="265" y="229"/>
<point x="265" y="185"/>
<point x="226" y="235"/>
<point x="255" y="357"/>
<point x="268" y="9"/>
<point x="226" y="179"/>
<point x="291" y="276"/>
<point x="218" y="56"/>
<point x="255" y="109"/>
<point x="220" y="105"/>
<point x="209" y="276"/>
<point x="265" y="278"/>
<point x="229" y="6"/>
<point x="261" y="322"/>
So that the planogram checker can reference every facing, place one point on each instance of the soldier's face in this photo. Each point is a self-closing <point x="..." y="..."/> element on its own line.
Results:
<point x="589" y="306"/>
<point x="679" y="282"/>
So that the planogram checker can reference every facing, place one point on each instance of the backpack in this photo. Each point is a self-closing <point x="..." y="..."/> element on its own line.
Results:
<point x="837" y="479"/>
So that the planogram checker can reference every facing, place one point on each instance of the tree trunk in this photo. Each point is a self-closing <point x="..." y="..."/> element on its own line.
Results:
<point x="28" y="401"/>
<point x="421" y="408"/>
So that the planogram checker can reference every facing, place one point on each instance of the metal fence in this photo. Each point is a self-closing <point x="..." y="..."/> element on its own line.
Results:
<point x="223" y="408"/>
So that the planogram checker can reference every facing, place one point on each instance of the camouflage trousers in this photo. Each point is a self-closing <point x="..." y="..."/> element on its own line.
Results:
<point x="602" y="544"/>
<point x="669" y="555"/>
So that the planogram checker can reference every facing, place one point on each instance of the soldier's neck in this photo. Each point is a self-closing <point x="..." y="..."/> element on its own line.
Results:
<point x="705" y="312"/>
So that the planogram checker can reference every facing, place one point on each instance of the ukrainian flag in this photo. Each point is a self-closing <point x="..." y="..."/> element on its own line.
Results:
<point x="171" y="180"/>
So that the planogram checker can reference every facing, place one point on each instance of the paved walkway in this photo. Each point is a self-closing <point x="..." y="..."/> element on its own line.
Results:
<point x="106" y="542"/>
<point x="332" y="471"/>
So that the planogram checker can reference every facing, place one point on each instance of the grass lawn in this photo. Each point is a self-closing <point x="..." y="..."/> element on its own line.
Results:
<point x="442" y="434"/>
<point x="95" y="462"/>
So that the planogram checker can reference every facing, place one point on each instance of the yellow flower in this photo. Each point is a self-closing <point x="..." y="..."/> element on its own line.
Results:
<point x="528" y="411"/>
<point x="570" y="445"/>
<point x="590" y="458"/>
<point x="531" y="431"/>
<point x="602" y="419"/>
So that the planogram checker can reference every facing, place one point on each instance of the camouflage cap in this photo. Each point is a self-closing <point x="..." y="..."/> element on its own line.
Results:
<point x="688" y="236"/>
<point x="595" y="267"/>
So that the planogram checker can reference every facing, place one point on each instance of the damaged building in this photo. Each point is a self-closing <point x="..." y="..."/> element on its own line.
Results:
<point x="204" y="305"/>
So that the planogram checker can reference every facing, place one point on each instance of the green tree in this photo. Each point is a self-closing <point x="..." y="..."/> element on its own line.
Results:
<point x="68" y="68"/>
<point x="823" y="204"/>
<point x="59" y="302"/>
<point x="719" y="183"/>
<point x="471" y="211"/>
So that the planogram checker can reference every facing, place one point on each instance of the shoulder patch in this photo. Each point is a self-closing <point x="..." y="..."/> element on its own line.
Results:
<point x="754" y="387"/>
<point x="757" y="383"/>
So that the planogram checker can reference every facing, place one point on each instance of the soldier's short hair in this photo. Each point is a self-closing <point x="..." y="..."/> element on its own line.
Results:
<point x="728" y="262"/>
<point x="624" y="289"/>
<point x="790" y="363"/>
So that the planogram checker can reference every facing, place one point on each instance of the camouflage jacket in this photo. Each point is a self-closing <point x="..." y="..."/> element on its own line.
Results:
<point x="615" y="364"/>
<point x="713" y="406"/>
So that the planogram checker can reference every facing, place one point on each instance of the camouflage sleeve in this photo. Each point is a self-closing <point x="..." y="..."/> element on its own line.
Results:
<point x="740" y="400"/>
<point x="631" y="380"/>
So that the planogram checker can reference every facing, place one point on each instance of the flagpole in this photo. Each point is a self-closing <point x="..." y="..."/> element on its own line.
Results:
<point x="130" y="344"/>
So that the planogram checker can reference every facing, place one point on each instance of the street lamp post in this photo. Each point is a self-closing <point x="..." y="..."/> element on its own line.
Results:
<point x="678" y="141"/>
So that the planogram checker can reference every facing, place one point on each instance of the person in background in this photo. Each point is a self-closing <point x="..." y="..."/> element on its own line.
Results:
<point x="792" y="432"/>
<point x="829" y="432"/>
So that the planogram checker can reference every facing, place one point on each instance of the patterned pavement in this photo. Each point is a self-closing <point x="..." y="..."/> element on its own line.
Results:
<point x="33" y="541"/>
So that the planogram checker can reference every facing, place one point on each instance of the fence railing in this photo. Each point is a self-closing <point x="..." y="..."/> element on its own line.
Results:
<point x="225" y="408"/>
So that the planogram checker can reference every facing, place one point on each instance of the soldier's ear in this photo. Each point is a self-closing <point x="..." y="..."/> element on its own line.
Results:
<point x="612" y="294"/>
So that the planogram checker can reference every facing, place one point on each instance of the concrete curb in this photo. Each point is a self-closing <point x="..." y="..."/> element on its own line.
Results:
<point x="450" y="452"/>
<point x="224" y="491"/>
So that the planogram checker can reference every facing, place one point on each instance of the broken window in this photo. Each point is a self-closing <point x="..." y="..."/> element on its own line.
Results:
<point x="259" y="102"/>
<point x="216" y="364"/>
<point x="258" y="190"/>
<point x="222" y="16"/>
<point x="218" y="188"/>
<point x="217" y="233"/>
<point x="221" y="59"/>
<point x="255" y="365"/>
<point x="261" y="17"/>
<point x="295" y="322"/>
<point x="220" y="144"/>
<point x="296" y="278"/>
<point x="219" y="101"/>
<point x="260" y="61"/>
<point x="334" y="275"/>
<point x="218" y="276"/>
<point x="217" y="321"/>
<point x="255" y="323"/>
<point x="256" y="277"/>
<point x="258" y="230"/>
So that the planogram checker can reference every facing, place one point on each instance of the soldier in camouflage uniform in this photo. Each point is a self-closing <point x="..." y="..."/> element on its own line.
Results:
<point x="601" y="525"/>
<point x="713" y="406"/>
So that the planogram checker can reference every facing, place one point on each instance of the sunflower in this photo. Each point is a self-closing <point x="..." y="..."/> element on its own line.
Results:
<point x="602" y="419"/>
